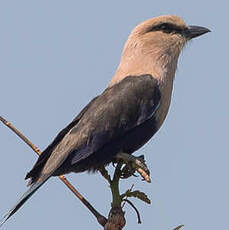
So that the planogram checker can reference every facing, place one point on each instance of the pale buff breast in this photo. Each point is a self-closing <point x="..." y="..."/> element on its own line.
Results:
<point x="162" y="111"/>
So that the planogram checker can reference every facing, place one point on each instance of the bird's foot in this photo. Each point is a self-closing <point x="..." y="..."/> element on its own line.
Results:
<point x="134" y="164"/>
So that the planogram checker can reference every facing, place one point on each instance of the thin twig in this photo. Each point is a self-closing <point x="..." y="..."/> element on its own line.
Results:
<point x="137" y="212"/>
<point x="19" y="134"/>
<point x="101" y="219"/>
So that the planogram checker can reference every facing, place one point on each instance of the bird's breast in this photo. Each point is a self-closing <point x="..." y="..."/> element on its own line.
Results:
<point x="162" y="111"/>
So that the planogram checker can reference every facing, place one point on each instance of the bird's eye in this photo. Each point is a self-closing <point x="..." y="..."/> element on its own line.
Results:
<point x="166" y="28"/>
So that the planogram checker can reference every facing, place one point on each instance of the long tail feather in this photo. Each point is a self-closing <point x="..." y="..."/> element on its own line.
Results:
<point x="33" y="188"/>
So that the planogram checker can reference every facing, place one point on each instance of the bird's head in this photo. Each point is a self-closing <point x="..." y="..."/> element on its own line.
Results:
<point x="154" y="46"/>
<point x="165" y="34"/>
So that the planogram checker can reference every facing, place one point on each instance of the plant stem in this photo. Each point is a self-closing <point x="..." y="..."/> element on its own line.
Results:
<point x="116" y="198"/>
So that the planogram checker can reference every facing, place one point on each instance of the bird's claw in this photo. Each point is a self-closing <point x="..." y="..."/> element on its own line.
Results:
<point x="134" y="164"/>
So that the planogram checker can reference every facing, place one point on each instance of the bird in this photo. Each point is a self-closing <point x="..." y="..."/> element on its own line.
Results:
<point x="127" y="113"/>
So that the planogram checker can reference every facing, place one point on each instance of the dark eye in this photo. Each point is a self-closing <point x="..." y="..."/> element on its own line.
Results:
<point x="166" y="28"/>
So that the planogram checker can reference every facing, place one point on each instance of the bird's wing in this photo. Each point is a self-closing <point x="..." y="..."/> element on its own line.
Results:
<point x="116" y="111"/>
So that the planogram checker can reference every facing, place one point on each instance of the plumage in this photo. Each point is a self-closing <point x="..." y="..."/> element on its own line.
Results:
<point x="128" y="113"/>
<point x="114" y="122"/>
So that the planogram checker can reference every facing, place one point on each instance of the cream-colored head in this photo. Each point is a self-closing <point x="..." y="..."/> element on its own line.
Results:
<point x="153" y="47"/>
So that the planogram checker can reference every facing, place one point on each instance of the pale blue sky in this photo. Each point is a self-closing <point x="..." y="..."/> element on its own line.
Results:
<point x="57" y="55"/>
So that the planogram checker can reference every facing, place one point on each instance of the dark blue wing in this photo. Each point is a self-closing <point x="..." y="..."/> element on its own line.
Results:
<point x="116" y="112"/>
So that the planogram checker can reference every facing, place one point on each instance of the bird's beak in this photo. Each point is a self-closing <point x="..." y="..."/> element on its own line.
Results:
<point x="195" y="31"/>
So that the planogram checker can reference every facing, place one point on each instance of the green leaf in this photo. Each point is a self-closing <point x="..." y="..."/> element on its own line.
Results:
<point x="137" y="194"/>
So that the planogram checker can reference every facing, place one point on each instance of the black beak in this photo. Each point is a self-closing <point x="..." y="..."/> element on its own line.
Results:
<point x="195" y="31"/>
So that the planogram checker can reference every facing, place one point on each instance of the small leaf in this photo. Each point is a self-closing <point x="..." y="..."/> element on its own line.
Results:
<point x="179" y="227"/>
<point x="138" y="194"/>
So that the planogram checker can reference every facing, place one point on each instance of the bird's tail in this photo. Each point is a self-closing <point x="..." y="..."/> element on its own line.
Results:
<point x="32" y="189"/>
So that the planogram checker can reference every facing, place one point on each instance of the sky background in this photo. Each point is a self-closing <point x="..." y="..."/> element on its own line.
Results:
<point x="57" y="55"/>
